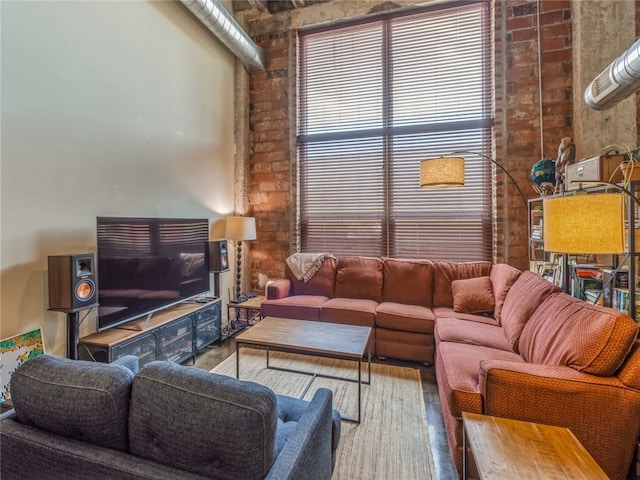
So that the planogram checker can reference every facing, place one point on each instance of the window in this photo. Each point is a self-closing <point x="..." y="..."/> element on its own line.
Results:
<point x="375" y="98"/>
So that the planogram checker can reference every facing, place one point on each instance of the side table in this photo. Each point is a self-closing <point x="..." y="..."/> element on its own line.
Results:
<point x="242" y="315"/>
<point x="506" y="449"/>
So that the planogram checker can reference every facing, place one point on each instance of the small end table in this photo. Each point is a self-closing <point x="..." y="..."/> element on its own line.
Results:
<point x="242" y="315"/>
<point x="506" y="449"/>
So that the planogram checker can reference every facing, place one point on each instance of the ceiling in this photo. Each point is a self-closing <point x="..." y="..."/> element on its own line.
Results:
<point x="272" y="6"/>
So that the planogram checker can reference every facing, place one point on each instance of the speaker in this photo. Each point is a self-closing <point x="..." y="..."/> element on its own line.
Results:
<point x="72" y="284"/>
<point x="218" y="256"/>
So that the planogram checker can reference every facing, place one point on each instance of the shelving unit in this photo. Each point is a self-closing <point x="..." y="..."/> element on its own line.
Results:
<point x="614" y="294"/>
<point x="175" y="334"/>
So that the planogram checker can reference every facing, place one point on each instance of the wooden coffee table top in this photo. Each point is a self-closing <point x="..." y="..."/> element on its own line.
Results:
<point x="313" y="337"/>
<point x="508" y="449"/>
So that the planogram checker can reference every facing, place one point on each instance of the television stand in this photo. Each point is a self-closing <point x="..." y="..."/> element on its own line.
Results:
<point x="176" y="333"/>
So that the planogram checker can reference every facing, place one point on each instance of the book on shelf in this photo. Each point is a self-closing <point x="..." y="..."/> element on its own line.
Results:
<point x="620" y="300"/>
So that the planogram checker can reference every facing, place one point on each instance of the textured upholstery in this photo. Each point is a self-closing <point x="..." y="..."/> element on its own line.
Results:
<point x="529" y="291"/>
<point x="416" y="347"/>
<point x="566" y="331"/>
<point x="223" y="432"/>
<point x="351" y="311"/>
<point x="408" y="282"/>
<point x="359" y="278"/>
<point x="301" y="307"/>
<point x="600" y="411"/>
<point x="408" y="318"/>
<point x="322" y="283"/>
<point x="184" y="423"/>
<point x="449" y="312"/>
<point x="447" y="272"/>
<point x="473" y="295"/>
<point x="503" y="277"/>
<point x="83" y="400"/>
<point x="472" y="333"/>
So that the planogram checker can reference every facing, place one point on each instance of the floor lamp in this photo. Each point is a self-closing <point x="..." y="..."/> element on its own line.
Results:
<point x="240" y="229"/>
<point x="448" y="171"/>
<point x="591" y="224"/>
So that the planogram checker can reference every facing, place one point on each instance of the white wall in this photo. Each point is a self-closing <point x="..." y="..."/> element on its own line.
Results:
<point x="108" y="108"/>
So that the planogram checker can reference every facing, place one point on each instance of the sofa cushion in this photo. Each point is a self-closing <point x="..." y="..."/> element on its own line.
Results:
<point x="472" y="295"/>
<point x="408" y="281"/>
<point x="408" y="318"/>
<point x="589" y="338"/>
<point x="349" y="311"/>
<point x="471" y="333"/>
<point x="458" y="374"/>
<point x="446" y="272"/>
<point x="503" y="277"/>
<point x="86" y="401"/>
<point x="524" y="296"/>
<point x="202" y="422"/>
<point x="448" y="312"/>
<point x="359" y="277"/>
<point x="322" y="283"/>
<point x="300" y="307"/>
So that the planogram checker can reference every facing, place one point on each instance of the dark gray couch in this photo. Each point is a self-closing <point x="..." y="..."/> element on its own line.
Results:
<point x="85" y="420"/>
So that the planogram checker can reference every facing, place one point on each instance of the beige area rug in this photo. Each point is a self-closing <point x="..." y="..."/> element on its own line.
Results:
<point x="391" y="442"/>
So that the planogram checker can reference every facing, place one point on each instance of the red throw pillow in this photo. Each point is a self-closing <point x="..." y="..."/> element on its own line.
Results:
<point x="473" y="295"/>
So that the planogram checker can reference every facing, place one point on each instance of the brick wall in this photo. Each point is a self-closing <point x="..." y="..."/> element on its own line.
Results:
<point x="272" y="162"/>
<point x="522" y="146"/>
<point x="271" y="186"/>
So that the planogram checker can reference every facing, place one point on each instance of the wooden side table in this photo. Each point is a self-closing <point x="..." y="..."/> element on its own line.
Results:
<point x="506" y="449"/>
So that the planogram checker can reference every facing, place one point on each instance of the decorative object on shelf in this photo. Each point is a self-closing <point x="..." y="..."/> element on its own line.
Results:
<point x="566" y="156"/>
<point x="543" y="176"/>
<point x="448" y="171"/>
<point x="240" y="229"/>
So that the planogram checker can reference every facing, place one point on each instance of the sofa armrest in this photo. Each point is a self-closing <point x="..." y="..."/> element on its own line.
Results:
<point x="307" y="453"/>
<point x="128" y="361"/>
<point x="600" y="411"/>
<point x="280" y="288"/>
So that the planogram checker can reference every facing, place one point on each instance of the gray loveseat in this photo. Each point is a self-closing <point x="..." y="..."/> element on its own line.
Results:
<point x="85" y="420"/>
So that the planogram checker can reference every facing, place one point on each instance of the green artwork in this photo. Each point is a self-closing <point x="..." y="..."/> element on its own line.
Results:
<point x="14" y="351"/>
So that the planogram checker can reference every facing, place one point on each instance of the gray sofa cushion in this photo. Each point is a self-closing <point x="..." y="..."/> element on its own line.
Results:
<point x="83" y="400"/>
<point x="202" y="422"/>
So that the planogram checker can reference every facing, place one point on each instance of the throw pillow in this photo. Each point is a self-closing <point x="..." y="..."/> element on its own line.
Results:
<point x="473" y="295"/>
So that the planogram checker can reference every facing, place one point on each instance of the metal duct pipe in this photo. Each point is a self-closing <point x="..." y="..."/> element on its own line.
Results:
<point x="617" y="81"/>
<point x="217" y="19"/>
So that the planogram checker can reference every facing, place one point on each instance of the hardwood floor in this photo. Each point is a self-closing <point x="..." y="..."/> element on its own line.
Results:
<point x="215" y="354"/>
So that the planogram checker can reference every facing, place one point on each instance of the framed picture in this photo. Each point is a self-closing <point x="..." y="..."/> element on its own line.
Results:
<point x="14" y="351"/>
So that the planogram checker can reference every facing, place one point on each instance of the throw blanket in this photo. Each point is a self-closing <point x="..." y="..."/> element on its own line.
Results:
<point x="305" y="265"/>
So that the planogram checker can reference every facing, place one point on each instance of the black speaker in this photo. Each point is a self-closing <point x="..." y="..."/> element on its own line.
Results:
<point x="218" y="256"/>
<point x="72" y="284"/>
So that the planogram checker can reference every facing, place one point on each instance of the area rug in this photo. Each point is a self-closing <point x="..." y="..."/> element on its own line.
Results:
<point x="391" y="442"/>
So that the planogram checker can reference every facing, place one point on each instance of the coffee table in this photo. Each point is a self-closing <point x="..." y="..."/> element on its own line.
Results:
<point x="508" y="449"/>
<point x="332" y="340"/>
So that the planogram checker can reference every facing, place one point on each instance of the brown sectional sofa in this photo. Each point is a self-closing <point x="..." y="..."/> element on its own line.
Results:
<point x="504" y="342"/>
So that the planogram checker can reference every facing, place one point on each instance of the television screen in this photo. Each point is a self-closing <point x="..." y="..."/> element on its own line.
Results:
<point x="146" y="264"/>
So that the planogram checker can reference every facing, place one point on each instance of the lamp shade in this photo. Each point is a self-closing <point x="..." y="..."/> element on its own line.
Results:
<point x="584" y="224"/>
<point x="442" y="172"/>
<point x="240" y="228"/>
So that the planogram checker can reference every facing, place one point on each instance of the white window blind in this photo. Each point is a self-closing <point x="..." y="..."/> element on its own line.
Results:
<point x="374" y="99"/>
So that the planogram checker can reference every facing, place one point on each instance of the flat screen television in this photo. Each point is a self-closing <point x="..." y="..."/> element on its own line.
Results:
<point x="147" y="264"/>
